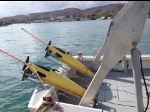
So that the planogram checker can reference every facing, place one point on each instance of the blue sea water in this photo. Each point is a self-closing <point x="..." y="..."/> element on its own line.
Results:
<point x="84" y="36"/>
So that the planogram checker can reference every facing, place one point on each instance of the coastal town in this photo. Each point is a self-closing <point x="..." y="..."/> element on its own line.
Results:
<point x="44" y="19"/>
<point x="68" y="14"/>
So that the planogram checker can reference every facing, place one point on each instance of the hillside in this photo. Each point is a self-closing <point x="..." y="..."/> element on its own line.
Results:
<point x="111" y="8"/>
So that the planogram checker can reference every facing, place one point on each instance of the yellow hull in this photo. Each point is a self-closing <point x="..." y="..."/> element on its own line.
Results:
<point x="68" y="59"/>
<point x="59" y="81"/>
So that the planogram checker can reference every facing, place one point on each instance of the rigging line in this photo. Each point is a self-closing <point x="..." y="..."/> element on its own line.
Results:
<point x="68" y="70"/>
<point x="26" y="78"/>
<point x="39" y="77"/>
<point x="19" y="67"/>
<point x="144" y="83"/>
<point x="68" y="97"/>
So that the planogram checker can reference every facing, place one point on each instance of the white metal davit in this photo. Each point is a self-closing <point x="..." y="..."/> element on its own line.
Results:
<point x="124" y="34"/>
<point x="120" y="13"/>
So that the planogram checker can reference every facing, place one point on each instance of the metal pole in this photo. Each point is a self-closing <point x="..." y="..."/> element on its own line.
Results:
<point x="137" y="79"/>
<point x="125" y="64"/>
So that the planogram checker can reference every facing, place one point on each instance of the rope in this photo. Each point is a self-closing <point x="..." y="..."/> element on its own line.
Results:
<point x="39" y="77"/>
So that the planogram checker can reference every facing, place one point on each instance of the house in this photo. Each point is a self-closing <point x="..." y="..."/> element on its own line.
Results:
<point x="108" y="17"/>
<point x="1" y="23"/>
<point x="103" y="17"/>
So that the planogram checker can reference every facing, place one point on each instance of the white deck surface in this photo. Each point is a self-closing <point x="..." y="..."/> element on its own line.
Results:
<point x="117" y="93"/>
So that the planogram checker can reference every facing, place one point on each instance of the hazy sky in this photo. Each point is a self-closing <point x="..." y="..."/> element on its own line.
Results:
<point x="12" y="8"/>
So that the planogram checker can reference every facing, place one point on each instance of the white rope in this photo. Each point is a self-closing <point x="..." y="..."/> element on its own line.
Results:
<point x="39" y="77"/>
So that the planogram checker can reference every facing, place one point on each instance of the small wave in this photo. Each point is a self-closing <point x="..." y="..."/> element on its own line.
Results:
<point x="10" y="40"/>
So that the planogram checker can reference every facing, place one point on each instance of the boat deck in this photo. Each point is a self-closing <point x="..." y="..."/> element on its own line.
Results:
<point x="117" y="93"/>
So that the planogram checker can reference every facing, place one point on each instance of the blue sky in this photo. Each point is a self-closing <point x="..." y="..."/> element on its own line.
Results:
<point x="12" y="8"/>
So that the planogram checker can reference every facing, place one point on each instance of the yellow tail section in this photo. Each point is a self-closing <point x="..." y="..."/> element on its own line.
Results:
<point x="59" y="81"/>
<point x="68" y="59"/>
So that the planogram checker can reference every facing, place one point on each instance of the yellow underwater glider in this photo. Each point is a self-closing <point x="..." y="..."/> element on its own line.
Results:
<point x="68" y="59"/>
<point x="65" y="57"/>
<point x="51" y="77"/>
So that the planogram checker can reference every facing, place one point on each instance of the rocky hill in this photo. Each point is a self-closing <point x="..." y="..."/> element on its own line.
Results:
<point x="111" y="8"/>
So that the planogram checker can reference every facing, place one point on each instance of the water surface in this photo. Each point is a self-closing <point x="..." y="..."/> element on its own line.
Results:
<point x="76" y="36"/>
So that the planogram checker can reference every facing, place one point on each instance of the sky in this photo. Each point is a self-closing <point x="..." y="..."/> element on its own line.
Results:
<point x="12" y="8"/>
